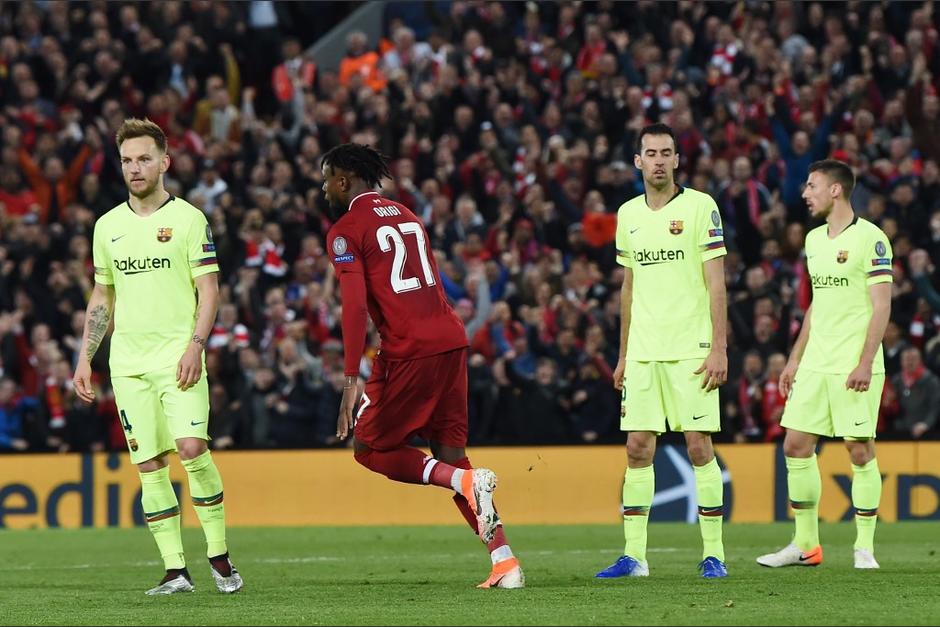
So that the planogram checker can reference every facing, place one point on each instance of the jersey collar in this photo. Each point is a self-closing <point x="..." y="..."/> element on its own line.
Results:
<point x="165" y="203"/>
<point x="852" y="223"/>
<point x="358" y="197"/>
<point x="679" y="190"/>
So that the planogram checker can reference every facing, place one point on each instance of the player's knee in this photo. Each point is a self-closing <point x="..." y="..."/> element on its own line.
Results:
<point x="794" y="447"/>
<point x="191" y="448"/>
<point x="700" y="453"/>
<point x="640" y="452"/>
<point x="152" y="465"/>
<point x="860" y="452"/>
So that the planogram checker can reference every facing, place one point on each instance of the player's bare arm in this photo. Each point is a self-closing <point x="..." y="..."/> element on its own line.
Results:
<point x="355" y="316"/>
<point x="880" y="294"/>
<point x="189" y="368"/>
<point x="715" y="366"/>
<point x="626" y="302"/>
<point x="97" y="320"/>
<point x="344" y="423"/>
<point x="789" y="372"/>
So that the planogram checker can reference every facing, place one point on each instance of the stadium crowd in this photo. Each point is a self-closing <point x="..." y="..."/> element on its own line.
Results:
<point x="510" y="128"/>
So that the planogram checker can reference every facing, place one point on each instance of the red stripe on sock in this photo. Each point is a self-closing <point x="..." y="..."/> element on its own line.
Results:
<point x="461" y="502"/>
<point x="442" y="474"/>
<point x="498" y="540"/>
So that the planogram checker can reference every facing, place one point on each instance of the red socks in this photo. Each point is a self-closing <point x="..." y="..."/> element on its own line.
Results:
<point x="500" y="538"/>
<point x="408" y="465"/>
<point x="411" y="465"/>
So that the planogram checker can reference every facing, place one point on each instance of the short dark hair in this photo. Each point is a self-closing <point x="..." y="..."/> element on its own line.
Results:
<point x="838" y="172"/>
<point x="656" y="129"/>
<point x="364" y="161"/>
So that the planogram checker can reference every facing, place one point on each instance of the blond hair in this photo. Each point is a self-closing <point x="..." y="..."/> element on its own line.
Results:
<point x="135" y="127"/>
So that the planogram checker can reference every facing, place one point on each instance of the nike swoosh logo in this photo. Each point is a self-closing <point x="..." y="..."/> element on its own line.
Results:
<point x="194" y="423"/>
<point x="697" y="417"/>
<point x="634" y="230"/>
<point x="803" y="557"/>
<point x="114" y="239"/>
<point x="860" y="423"/>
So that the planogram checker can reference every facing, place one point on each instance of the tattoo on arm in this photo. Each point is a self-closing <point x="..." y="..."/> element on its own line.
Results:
<point x="98" y="321"/>
<point x="196" y="337"/>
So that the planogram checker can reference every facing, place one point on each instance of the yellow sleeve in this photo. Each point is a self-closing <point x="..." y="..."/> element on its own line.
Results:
<point x="100" y="256"/>
<point x="202" y="258"/>
<point x="879" y="259"/>
<point x="711" y="236"/>
<point x="624" y="252"/>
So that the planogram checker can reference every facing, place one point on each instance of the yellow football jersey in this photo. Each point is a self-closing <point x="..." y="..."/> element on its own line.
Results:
<point x="841" y="269"/>
<point x="151" y="262"/>
<point x="670" y="317"/>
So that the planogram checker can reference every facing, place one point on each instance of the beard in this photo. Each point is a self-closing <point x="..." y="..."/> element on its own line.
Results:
<point x="668" y="181"/>
<point x="145" y="191"/>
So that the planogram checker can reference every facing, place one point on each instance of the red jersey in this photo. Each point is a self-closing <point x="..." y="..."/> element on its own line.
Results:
<point x="383" y="243"/>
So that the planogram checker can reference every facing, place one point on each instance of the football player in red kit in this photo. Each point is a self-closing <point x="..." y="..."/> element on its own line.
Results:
<point x="418" y="384"/>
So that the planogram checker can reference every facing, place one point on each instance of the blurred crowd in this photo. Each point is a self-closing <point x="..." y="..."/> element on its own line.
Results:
<point x="510" y="128"/>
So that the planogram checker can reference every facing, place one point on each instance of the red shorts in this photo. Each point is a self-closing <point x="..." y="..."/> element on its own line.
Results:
<point x="426" y="397"/>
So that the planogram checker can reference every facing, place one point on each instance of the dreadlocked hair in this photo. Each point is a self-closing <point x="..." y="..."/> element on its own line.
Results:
<point x="364" y="161"/>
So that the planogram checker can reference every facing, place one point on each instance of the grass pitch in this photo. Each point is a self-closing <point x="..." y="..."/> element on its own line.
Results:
<point x="426" y="576"/>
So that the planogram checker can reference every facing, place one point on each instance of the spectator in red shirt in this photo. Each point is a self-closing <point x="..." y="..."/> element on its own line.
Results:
<point x="296" y="70"/>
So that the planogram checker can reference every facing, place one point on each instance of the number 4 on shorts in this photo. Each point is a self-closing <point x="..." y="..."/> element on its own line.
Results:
<point x="124" y="423"/>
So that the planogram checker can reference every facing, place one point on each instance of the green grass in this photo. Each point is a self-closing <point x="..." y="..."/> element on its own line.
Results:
<point x="426" y="575"/>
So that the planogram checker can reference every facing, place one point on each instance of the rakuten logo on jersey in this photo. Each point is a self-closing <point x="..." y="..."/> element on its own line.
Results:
<point x="652" y="257"/>
<point x="144" y="264"/>
<point x="827" y="280"/>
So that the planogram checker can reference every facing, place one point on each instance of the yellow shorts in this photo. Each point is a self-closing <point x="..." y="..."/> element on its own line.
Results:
<point x="155" y="412"/>
<point x="820" y="404"/>
<point x="659" y="392"/>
